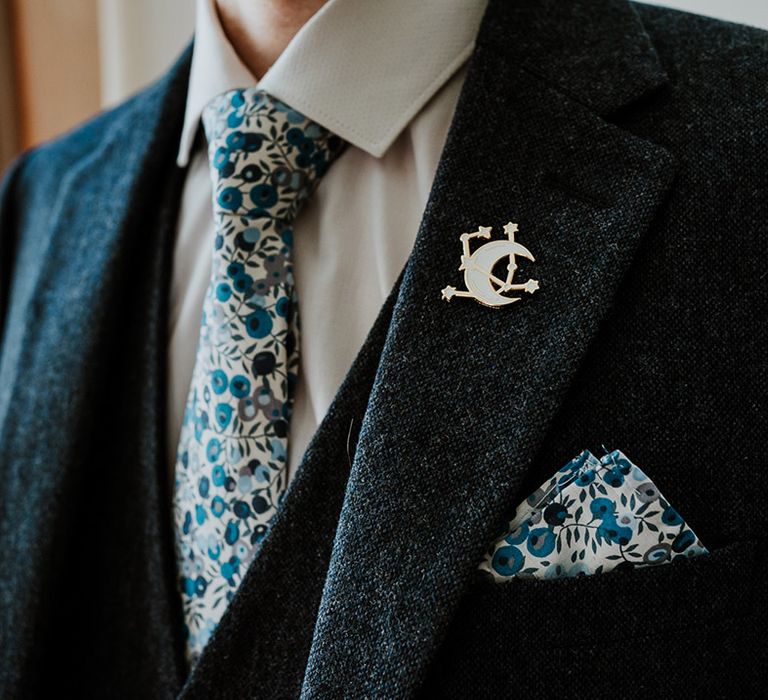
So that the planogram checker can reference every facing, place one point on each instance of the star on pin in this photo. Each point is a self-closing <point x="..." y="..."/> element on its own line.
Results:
<point x="449" y="292"/>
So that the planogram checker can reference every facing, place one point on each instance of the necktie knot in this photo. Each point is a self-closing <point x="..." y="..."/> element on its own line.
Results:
<point x="266" y="158"/>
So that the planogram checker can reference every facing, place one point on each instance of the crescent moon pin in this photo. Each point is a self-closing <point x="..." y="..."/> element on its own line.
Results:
<point x="481" y="283"/>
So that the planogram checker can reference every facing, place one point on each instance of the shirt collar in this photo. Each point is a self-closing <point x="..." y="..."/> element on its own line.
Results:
<point x="361" y="68"/>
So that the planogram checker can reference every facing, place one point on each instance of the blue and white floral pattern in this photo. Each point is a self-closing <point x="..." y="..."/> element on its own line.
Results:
<point x="592" y="516"/>
<point x="266" y="160"/>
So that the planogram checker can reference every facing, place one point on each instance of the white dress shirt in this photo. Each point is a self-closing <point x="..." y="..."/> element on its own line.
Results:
<point x="385" y="76"/>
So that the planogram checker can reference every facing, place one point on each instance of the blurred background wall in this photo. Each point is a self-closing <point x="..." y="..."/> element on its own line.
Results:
<point x="63" y="60"/>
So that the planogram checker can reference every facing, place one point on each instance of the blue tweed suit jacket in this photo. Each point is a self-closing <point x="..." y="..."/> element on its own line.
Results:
<point x="631" y="144"/>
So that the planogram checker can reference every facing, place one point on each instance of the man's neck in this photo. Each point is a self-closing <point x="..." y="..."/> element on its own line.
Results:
<point x="259" y="30"/>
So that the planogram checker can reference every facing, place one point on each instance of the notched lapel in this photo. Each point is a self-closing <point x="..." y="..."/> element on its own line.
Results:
<point x="465" y="393"/>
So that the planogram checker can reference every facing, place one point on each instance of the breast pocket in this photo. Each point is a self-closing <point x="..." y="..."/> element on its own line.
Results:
<point x="689" y="626"/>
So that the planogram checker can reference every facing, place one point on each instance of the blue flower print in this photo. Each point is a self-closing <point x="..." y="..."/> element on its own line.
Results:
<point x="253" y="143"/>
<point x="230" y="198"/>
<point x="622" y="464"/>
<point x="235" y="269"/>
<point x="223" y="291"/>
<point x="671" y="517"/>
<point x="240" y="386"/>
<point x="555" y="514"/>
<point x="611" y="531"/>
<point x="234" y="120"/>
<point x="571" y="526"/>
<point x="221" y="158"/>
<point x="294" y="117"/>
<point x="278" y="449"/>
<point x="242" y="509"/>
<point x="241" y="242"/>
<point x="614" y="477"/>
<point x="213" y="451"/>
<point x="295" y="136"/>
<point x="264" y="195"/>
<point x="258" y="324"/>
<point x="251" y="235"/>
<point x="262" y="474"/>
<point x="258" y="534"/>
<point x="251" y="173"/>
<point x="264" y="363"/>
<point x="242" y="283"/>
<point x="260" y="504"/>
<point x="218" y="506"/>
<point x="541" y="542"/>
<point x="283" y="307"/>
<point x="244" y="483"/>
<point x="229" y="570"/>
<point x="219" y="381"/>
<point x="601" y="507"/>
<point x="235" y="140"/>
<point x="200" y="425"/>
<point x="218" y="475"/>
<point x="213" y="549"/>
<point x="232" y="459"/>
<point x="508" y="560"/>
<point x="232" y="532"/>
<point x="518" y="535"/>
<point x="684" y="540"/>
<point x="223" y="415"/>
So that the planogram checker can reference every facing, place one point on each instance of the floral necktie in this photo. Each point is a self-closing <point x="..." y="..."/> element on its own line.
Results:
<point x="266" y="159"/>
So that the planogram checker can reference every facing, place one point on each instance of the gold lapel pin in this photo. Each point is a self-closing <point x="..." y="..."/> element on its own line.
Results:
<point x="481" y="283"/>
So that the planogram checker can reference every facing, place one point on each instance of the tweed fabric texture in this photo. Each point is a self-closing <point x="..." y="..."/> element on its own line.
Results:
<point x="63" y="493"/>
<point x="630" y="142"/>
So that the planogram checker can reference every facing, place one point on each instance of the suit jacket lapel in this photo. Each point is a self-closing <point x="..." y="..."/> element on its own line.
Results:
<point x="464" y="393"/>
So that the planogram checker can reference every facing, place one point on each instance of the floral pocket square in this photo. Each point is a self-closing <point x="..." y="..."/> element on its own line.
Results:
<point x="592" y="516"/>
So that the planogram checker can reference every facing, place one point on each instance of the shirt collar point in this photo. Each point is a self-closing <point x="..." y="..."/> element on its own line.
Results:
<point x="185" y="145"/>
